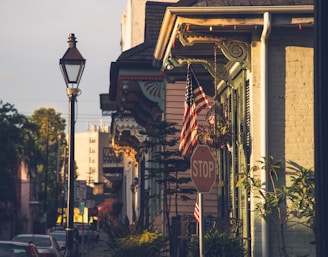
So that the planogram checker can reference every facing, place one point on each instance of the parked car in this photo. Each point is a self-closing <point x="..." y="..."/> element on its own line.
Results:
<point x="87" y="231"/>
<point x="60" y="236"/>
<point x="47" y="245"/>
<point x="18" y="249"/>
<point x="58" y="227"/>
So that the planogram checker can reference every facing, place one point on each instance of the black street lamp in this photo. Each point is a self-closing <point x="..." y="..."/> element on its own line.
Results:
<point x="72" y="66"/>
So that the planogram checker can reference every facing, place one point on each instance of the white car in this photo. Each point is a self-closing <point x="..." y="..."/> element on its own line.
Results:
<point x="19" y="249"/>
<point x="47" y="245"/>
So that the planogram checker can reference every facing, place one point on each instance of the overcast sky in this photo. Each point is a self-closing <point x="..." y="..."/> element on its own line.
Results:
<point x="33" y="37"/>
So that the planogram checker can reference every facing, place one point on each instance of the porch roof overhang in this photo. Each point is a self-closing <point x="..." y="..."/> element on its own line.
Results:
<point x="189" y="35"/>
<point x="135" y="86"/>
<point x="135" y="93"/>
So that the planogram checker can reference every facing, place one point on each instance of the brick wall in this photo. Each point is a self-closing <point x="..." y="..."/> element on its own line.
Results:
<point x="290" y="119"/>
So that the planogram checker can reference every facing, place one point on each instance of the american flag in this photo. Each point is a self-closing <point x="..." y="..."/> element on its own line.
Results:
<point x="196" y="101"/>
<point x="196" y="213"/>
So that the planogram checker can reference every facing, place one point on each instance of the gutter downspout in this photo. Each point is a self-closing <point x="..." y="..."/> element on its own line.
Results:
<point x="264" y="120"/>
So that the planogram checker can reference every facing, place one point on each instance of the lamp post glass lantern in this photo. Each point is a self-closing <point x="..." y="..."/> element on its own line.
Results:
<point x="72" y="66"/>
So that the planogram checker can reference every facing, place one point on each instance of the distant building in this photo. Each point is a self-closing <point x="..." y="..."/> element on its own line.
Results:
<point x="107" y="169"/>
<point x="89" y="148"/>
<point x="29" y="204"/>
<point x="25" y="214"/>
<point x="133" y="23"/>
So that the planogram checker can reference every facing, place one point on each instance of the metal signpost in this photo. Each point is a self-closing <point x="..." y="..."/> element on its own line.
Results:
<point x="81" y="191"/>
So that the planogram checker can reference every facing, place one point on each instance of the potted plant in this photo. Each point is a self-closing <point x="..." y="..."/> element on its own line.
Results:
<point x="216" y="131"/>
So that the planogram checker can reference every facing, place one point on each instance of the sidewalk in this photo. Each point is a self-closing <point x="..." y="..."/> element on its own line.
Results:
<point x="99" y="249"/>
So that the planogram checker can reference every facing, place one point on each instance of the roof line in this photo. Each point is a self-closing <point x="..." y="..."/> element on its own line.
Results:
<point x="169" y="24"/>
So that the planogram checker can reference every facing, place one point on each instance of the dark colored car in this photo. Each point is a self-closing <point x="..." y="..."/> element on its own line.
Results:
<point x="87" y="232"/>
<point x="58" y="228"/>
<point x="18" y="249"/>
<point x="61" y="239"/>
<point x="47" y="245"/>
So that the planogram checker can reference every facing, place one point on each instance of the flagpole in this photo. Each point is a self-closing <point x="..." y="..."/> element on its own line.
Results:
<point x="201" y="225"/>
<point x="215" y="130"/>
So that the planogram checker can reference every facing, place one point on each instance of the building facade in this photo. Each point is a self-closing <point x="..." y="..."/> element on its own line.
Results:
<point x="255" y="60"/>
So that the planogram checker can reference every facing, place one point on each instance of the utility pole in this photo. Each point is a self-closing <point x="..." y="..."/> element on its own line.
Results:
<point x="45" y="203"/>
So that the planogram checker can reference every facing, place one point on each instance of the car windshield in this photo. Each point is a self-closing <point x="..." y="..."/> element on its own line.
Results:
<point x="59" y="236"/>
<point x="38" y="241"/>
<point x="12" y="250"/>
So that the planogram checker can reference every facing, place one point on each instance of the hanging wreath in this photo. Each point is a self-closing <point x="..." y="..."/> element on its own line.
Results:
<point x="216" y="131"/>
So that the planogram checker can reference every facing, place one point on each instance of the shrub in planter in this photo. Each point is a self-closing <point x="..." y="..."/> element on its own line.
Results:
<point x="217" y="244"/>
<point x="140" y="245"/>
<point x="133" y="241"/>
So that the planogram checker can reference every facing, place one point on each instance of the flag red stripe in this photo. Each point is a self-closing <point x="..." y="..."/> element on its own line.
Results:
<point x="200" y="99"/>
<point x="196" y="213"/>
<point x="189" y="130"/>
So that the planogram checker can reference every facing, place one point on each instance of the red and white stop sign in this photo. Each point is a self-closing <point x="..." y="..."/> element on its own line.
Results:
<point x="203" y="168"/>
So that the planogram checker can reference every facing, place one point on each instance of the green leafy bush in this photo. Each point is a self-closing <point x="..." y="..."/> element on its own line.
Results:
<point x="140" y="245"/>
<point x="127" y="241"/>
<point x="217" y="244"/>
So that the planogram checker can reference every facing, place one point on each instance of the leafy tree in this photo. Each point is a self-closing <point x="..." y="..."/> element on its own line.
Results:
<point x="51" y="142"/>
<point x="17" y="144"/>
<point x="166" y="167"/>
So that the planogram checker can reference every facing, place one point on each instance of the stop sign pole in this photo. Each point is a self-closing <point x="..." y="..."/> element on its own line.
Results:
<point x="203" y="174"/>
<point x="201" y="225"/>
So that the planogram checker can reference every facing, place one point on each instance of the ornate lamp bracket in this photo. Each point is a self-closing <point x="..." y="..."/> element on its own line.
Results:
<point x="233" y="50"/>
